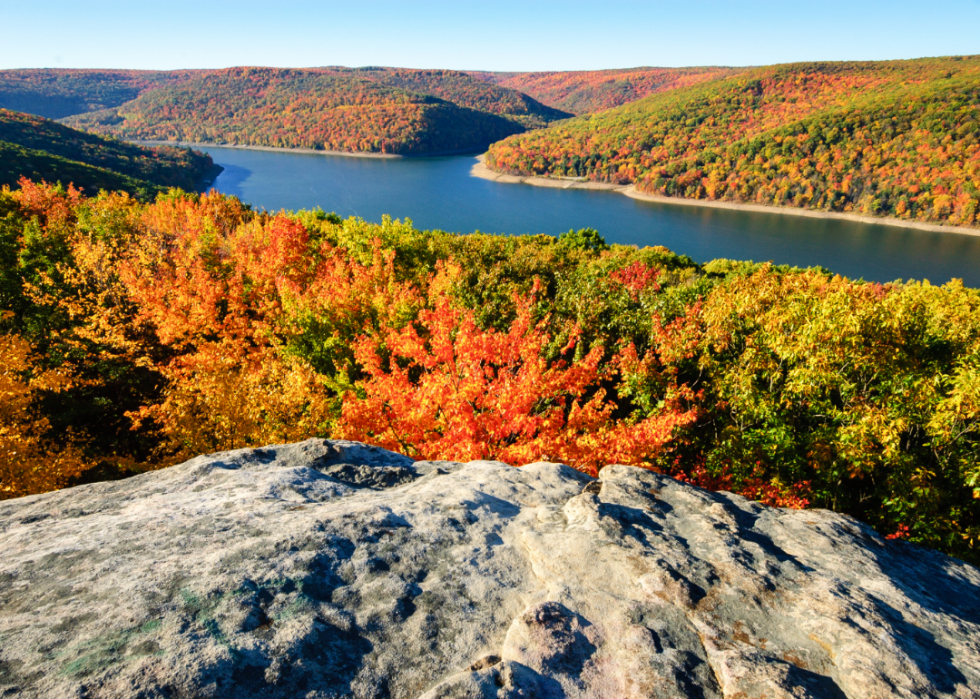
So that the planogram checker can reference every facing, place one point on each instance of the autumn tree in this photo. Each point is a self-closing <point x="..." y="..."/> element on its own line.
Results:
<point x="443" y="388"/>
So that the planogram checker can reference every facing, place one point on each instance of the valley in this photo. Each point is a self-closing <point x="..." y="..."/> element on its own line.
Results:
<point x="490" y="350"/>
<point x="890" y="140"/>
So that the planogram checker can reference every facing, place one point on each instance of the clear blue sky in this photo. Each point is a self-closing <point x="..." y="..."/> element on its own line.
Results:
<point x="499" y="35"/>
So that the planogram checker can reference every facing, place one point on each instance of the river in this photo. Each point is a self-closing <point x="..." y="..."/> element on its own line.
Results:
<point x="439" y="193"/>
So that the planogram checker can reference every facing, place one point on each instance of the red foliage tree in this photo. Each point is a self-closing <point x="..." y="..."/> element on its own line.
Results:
<point x="444" y="388"/>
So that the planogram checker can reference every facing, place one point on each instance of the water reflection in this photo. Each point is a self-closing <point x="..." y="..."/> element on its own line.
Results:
<point x="233" y="180"/>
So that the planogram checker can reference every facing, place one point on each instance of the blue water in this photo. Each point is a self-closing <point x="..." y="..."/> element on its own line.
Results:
<point x="439" y="193"/>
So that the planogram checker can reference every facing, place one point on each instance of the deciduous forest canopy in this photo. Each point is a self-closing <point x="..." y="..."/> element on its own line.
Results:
<point x="136" y="335"/>
<point x="588" y="91"/>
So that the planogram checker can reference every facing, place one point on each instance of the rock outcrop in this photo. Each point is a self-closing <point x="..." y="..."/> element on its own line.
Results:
<point x="332" y="569"/>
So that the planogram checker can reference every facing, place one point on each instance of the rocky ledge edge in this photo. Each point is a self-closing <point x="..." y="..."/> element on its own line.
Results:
<point x="334" y="569"/>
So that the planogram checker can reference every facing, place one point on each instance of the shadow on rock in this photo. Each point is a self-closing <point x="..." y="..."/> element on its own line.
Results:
<point x="325" y="663"/>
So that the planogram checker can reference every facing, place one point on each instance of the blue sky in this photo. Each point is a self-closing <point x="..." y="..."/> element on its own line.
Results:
<point x="501" y="35"/>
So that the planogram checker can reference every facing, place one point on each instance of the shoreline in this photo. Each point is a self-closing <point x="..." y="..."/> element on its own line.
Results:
<point x="207" y="181"/>
<point x="312" y="151"/>
<point x="480" y="170"/>
<point x="194" y="144"/>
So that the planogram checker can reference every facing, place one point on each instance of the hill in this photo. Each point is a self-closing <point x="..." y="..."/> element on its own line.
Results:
<point x="290" y="108"/>
<point x="895" y="138"/>
<point x="40" y="149"/>
<point x="464" y="90"/>
<point x="56" y="93"/>
<point x="588" y="91"/>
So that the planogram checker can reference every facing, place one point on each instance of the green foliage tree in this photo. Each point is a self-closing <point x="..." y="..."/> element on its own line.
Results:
<point x="583" y="239"/>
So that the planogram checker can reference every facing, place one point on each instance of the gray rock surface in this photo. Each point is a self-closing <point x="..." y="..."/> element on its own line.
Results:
<point x="332" y="569"/>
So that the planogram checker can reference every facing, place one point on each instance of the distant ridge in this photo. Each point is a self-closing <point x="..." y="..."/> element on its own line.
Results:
<point x="464" y="90"/>
<point x="55" y="93"/>
<point x="588" y="91"/>
<point x="369" y="110"/>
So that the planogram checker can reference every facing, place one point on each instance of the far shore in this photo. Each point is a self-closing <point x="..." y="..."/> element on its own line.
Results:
<point x="314" y="151"/>
<point x="481" y="170"/>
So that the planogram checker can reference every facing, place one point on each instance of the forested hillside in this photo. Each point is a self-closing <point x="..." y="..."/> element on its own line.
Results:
<point x="136" y="335"/>
<point x="389" y="110"/>
<point x="40" y="149"/>
<point x="464" y="90"/>
<point x="588" y="91"/>
<point x="299" y="109"/>
<point x="57" y="93"/>
<point x="896" y="138"/>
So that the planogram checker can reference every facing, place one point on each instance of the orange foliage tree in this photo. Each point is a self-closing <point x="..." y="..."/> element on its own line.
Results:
<point x="253" y="310"/>
<point x="30" y="459"/>
<point x="443" y="388"/>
